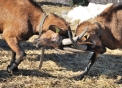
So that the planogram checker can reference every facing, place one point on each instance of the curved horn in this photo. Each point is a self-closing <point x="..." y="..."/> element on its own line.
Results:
<point x="67" y="41"/>
<point x="74" y="39"/>
<point x="82" y="34"/>
<point x="75" y="50"/>
<point x="82" y="47"/>
<point x="79" y="36"/>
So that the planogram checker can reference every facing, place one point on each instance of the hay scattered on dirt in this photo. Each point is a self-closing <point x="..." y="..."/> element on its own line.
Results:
<point x="59" y="67"/>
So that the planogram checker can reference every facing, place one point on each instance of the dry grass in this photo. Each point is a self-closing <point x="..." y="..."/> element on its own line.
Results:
<point x="60" y="66"/>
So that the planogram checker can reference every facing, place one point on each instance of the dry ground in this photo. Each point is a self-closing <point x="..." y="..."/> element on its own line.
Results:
<point x="60" y="66"/>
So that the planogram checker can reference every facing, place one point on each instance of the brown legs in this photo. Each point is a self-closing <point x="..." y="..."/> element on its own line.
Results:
<point x="17" y="53"/>
<point x="15" y="62"/>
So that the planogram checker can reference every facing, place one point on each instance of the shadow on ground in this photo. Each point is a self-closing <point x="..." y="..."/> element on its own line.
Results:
<point x="4" y="75"/>
<point x="71" y="62"/>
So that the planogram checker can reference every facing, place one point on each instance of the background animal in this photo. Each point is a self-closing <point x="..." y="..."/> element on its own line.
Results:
<point x="22" y="19"/>
<point x="103" y="32"/>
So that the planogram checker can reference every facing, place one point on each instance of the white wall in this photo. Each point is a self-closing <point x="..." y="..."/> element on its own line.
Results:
<point x="84" y="13"/>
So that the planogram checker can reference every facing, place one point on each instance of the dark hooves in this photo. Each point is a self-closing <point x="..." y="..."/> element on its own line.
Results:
<point x="11" y="70"/>
<point x="77" y="78"/>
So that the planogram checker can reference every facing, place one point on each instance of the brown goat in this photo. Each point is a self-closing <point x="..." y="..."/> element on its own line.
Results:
<point x="21" y="19"/>
<point x="104" y="31"/>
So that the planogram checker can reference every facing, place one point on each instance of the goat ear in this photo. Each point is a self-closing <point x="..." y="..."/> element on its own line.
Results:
<point x="108" y="9"/>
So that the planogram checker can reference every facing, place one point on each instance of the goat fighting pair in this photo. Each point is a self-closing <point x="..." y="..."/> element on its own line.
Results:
<point x="21" y="19"/>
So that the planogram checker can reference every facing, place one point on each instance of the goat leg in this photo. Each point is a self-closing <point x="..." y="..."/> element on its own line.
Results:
<point x="16" y="50"/>
<point x="15" y="62"/>
<point x="91" y="62"/>
<point x="13" y="57"/>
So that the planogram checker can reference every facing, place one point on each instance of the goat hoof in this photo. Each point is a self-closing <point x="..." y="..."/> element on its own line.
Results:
<point x="11" y="70"/>
<point x="80" y="77"/>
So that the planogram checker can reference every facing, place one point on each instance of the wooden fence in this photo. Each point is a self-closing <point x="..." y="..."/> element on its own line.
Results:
<point x="63" y="2"/>
<point x="79" y="2"/>
<point x="104" y="1"/>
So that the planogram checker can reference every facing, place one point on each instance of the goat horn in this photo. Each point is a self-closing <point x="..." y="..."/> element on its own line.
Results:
<point x="73" y="40"/>
<point x="81" y="35"/>
<point x="75" y="50"/>
<point x="67" y="41"/>
<point x="82" y="47"/>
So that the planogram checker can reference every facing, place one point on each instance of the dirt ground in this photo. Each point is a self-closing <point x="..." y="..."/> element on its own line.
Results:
<point x="60" y="66"/>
